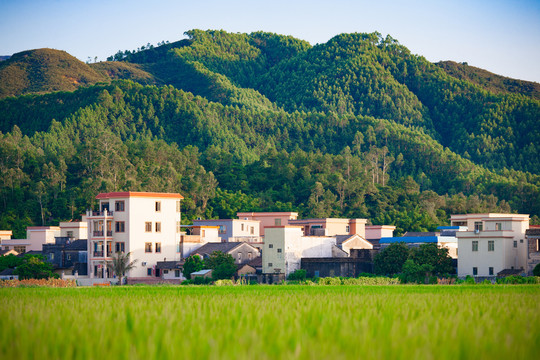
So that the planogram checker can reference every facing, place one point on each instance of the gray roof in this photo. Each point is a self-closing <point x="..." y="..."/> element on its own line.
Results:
<point x="77" y="245"/>
<point x="2" y="252"/>
<point x="209" y="248"/>
<point x="169" y="265"/>
<point x="257" y="262"/>
<point x="7" y="271"/>
<point x="419" y="234"/>
<point x="533" y="232"/>
<point x="340" y="239"/>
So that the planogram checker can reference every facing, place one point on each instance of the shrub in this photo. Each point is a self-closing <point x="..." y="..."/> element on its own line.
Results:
<point x="225" y="282"/>
<point x="536" y="270"/>
<point x="329" y="281"/>
<point x="299" y="275"/>
<point x="470" y="280"/>
<point x="51" y="282"/>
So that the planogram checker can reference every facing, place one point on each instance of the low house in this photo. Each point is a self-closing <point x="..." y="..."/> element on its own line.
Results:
<point x="205" y="273"/>
<point x="242" y="253"/>
<point x="8" y="252"/>
<point x="374" y="233"/>
<point x="360" y="261"/>
<point x="8" y="274"/>
<point x="286" y="246"/>
<point x="196" y="237"/>
<point x="67" y="256"/>
<point x="36" y="236"/>
<point x="235" y="230"/>
<point x="269" y="218"/>
<point x="170" y="270"/>
<point x="331" y="226"/>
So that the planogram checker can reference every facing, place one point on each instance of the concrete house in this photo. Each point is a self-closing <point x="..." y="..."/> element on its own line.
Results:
<point x="196" y="237"/>
<point x="533" y="252"/>
<point x="36" y="236"/>
<point x="331" y="226"/>
<point x="285" y="246"/>
<point x="242" y="253"/>
<point x="493" y="243"/>
<point x="235" y="230"/>
<point x="143" y="223"/>
<point x="269" y="218"/>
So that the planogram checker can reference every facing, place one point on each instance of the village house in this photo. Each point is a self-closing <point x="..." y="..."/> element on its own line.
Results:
<point x="268" y="218"/>
<point x="285" y="246"/>
<point x="494" y="244"/>
<point x="145" y="224"/>
<point x="235" y="230"/>
<point x="242" y="253"/>
<point x="533" y="251"/>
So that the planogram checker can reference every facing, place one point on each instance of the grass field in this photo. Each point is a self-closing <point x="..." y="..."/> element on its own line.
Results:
<point x="271" y="322"/>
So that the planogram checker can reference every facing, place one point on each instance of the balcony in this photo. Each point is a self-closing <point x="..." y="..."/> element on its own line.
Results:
<point x="99" y="233"/>
<point x="100" y="213"/>
<point x="98" y="253"/>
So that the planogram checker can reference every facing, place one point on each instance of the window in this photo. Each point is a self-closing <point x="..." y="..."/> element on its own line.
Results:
<point x="239" y="257"/>
<point x="242" y="227"/>
<point x="250" y="255"/>
<point x="158" y="227"/>
<point x="252" y="230"/>
<point x="204" y="233"/>
<point x="478" y="226"/>
<point x="148" y="226"/>
<point x="270" y="264"/>
<point x="120" y="247"/>
<point x="178" y="206"/>
<point x="119" y="226"/>
<point x="490" y="270"/>
<point x="491" y="245"/>
<point x="278" y="250"/>
<point x="515" y="243"/>
<point x="270" y="246"/>
<point x="165" y="271"/>
<point x="158" y="247"/>
<point x="158" y="206"/>
<point x="178" y="227"/>
<point x="277" y="222"/>
<point x="475" y="271"/>
<point x="498" y="226"/>
<point x="51" y="256"/>
<point x="119" y="205"/>
<point x="475" y="245"/>
<point x="148" y="247"/>
<point x="149" y="271"/>
<point x="176" y="273"/>
<point x="459" y="223"/>
<point x="222" y="229"/>
<point x="19" y="248"/>
<point x="178" y="247"/>
<point x="347" y="229"/>
<point x="70" y="234"/>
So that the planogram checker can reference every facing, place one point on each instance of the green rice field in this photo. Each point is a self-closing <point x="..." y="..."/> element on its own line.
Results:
<point x="271" y="322"/>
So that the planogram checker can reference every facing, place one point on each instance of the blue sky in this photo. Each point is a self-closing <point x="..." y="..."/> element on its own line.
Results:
<point x="499" y="36"/>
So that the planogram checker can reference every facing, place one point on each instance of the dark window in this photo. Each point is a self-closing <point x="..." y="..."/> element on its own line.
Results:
<point x="119" y="206"/>
<point x="176" y="273"/>
<point x="119" y="226"/>
<point x="158" y="247"/>
<point x="475" y="271"/>
<point x="158" y="206"/>
<point x="120" y="247"/>
<point x="149" y="271"/>
<point x="278" y="250"/>
<point x="270" y="246"/>
<point x="148" y="226"/>
<point x="158" y="227"/>
<point x="490" y="270"/>
<point x="148" y="247"/>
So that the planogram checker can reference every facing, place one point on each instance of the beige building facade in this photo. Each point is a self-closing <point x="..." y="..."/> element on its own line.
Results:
<point x="492" y="243"/>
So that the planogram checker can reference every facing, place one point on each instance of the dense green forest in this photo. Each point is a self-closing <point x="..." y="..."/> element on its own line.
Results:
<point x="356" y="127"/>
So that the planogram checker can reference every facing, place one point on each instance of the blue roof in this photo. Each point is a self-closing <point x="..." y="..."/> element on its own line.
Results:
<point x="448" y="228"/>
<point x="408" y="239"/>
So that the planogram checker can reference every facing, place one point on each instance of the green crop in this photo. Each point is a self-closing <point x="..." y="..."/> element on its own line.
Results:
<point x="271" y="322"/>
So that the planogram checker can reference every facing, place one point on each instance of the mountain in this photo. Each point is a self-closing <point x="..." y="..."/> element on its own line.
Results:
<point x="490" y="81"/>
<point x="42" y="71"/>
<point x="355" y="127"/>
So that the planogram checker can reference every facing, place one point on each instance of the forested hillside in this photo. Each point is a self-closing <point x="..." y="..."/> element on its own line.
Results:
<point x="356" y="127"/>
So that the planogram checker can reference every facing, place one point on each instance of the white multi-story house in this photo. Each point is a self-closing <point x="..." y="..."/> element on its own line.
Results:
<point x="143" y="223"/>
<point x="492" y="243"/>
<point x="285" y="246"/>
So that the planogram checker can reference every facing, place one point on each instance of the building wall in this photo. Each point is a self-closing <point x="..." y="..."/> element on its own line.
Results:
<point x="285" y="246"/>
<point x="139" y="208"/>
<point x="39" y="235"/>
<point x="234" y="228"/>
<point x="78" y="229"/>
<point x="268" y="218"/>
<point x="507" y="231"/>
<point x="332" y="226"/>
<point x="375" y="232"/>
